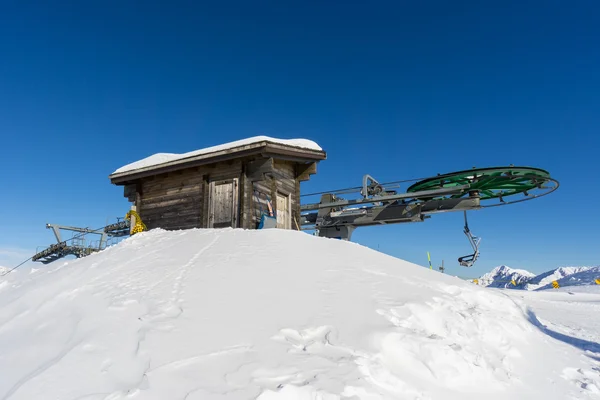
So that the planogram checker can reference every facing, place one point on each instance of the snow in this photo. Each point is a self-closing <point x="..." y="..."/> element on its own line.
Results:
<point x="3" y="282"/>
<point x="548" y="277"/>
<point x="575" y="276"/>
<point x="569" y="314"/>
<point x="161" y="158"/>
<point x="503" y="276"/>
<point x="274" y="314"/>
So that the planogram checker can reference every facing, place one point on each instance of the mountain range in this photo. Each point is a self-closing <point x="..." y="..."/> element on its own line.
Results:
<point x="506" y="277"/>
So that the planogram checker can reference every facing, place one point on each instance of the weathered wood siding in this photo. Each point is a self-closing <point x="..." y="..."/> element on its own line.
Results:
<point x="246" y="202"/>
<point x="281" y="179"/>
<point x="287" y="184"/>
<point x="180" y="199"/>
<point x="223" y="203"/>
<point x="260" y="191"/>
<point x="172" y="201"/>
<point x="216" y="172"/>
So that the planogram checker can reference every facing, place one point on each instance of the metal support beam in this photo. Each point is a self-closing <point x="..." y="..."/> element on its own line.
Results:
<point x="390" y="213"/>
<point x="337" y="232"/>
<point x="416" y="195"/>
<point x="103" y="238"/>
<point x="56" y="230"/>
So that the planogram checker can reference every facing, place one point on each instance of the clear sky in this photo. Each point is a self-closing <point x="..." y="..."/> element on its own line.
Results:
<point x="394" y="89"/>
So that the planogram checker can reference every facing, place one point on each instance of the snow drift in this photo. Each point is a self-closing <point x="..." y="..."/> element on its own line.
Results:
<point x="273" y="314"/>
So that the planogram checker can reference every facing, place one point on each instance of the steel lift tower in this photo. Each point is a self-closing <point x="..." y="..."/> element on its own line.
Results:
<point x="78" y="245"/>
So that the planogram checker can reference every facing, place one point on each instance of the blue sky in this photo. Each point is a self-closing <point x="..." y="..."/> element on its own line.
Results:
<point x="394" y="89"/>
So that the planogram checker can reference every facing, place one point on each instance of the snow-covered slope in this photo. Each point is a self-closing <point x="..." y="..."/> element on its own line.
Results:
<point x="161" y="158"/>
<point x="3" y="272"/>
<point x="546" y="278"/>
<point x="232" y="314"/>
<point x="503" y="276"/>
<point x="583" y="276"/>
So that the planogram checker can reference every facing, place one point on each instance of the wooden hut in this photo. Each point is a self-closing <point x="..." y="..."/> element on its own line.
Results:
<point x="230" y="185"/>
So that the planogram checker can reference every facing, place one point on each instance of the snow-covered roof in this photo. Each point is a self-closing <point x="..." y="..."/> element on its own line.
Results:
<point x="163" y="159"/>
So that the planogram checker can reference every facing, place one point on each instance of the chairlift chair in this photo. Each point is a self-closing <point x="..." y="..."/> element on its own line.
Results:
<point x="469" y="260"/>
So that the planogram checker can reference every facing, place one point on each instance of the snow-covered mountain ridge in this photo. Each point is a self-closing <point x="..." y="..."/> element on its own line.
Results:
<point x="506" y="277"/>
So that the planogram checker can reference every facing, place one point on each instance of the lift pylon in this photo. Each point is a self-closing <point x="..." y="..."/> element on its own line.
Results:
<point x="78" y="246"/>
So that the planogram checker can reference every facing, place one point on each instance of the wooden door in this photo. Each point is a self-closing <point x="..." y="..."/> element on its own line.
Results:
<point x="284" y="219"/>
<point x="223" y="201"/>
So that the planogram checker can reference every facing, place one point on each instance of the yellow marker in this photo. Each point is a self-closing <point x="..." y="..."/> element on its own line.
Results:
<point x="597" y="281"/>
<point x="429" y="259"/>
<point x="139" y="225"/>
<point x="555" y="284"/>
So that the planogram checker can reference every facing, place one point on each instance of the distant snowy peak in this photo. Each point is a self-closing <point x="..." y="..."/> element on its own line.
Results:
<point x="504" y="276"/>
<point x="504" y="269"/>
<point x="546" y="278"/>
<point x="578" y="276"/>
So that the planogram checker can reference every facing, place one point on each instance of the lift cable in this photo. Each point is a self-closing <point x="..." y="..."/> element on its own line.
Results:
<point x="11" y="270"/>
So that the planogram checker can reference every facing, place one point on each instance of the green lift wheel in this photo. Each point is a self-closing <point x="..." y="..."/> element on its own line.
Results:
<point x="489" y="184"/>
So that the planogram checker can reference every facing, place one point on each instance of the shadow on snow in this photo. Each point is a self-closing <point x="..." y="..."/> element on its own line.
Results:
<point x="585" y="345"/>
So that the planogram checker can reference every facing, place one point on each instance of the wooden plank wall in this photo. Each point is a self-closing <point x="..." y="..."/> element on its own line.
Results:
<point x="261" y="189"/>
<point x="246" y="203"/>
<point x="179" y="200"/>
<point x="173" y="200"/>
<point x="283" y="180"/>
<point x="285" y="174"/>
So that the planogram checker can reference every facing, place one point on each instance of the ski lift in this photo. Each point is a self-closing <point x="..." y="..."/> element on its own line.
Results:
<point x="469" y="260"/>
